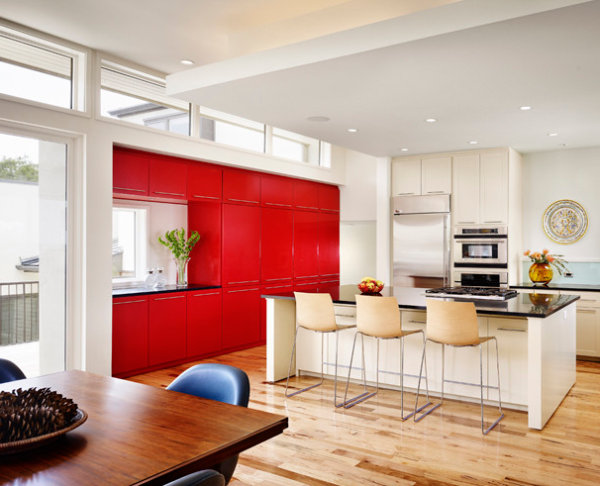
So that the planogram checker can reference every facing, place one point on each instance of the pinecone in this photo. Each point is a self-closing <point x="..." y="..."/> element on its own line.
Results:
<point x="29" y="413"/>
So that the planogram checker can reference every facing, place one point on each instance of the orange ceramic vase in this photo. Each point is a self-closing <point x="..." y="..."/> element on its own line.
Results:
<point x="540" y="273"/>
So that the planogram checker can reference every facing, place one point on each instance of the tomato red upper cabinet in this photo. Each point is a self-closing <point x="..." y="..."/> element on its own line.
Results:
<point x="277" y="238"/>
<point x="277" y="191"/>
<point x="203" y="322"/>
<point x="306" y="194"/>
<point x="329" y="244"/>
<point x="166" y="328"/>
<point x="241" y="186"/>
<point x="306" y="244"/>
<point x="241" y="317"/>
<point x="205" y="263"/>
<point x="129" y="334"/>
<point x="130" y="172"/>
<point x="329" y="197"/>
<point x="205" y="182"/>
<point x="168" y="178"/>
<point x="241" y="244"/>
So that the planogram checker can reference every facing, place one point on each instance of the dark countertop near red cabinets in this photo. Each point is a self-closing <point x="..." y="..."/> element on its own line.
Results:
<point x="141" y="290"/>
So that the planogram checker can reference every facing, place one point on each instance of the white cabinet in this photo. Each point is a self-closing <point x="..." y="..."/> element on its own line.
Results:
<point x="480" y="182"/>
<point x="429" y="175"/>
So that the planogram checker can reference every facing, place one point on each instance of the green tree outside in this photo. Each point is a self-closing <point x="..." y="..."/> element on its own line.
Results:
<point x="18" y="169"/>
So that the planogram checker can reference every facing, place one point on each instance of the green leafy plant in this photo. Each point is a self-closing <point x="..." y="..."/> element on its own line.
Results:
<point x="176" y="241"/>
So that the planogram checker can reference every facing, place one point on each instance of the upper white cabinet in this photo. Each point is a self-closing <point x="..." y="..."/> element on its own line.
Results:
<point x="430" y="175"/>
<point x="480" y="182"/>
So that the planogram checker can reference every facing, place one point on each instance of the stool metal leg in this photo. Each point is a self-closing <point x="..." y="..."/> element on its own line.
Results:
<point x="483" y="429"/>
<point x="347" y="403"/>
<point x="422" y="407"/>
<point x="420" y="416"/>
<point x="290" y="368"/>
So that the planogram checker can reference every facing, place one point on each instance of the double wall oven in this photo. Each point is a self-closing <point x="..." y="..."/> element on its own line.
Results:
<point x="481" y="256"/>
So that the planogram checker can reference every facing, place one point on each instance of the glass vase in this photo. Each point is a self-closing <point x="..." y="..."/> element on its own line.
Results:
<point x="181" y="264"/>
<point x="540" y="273"/>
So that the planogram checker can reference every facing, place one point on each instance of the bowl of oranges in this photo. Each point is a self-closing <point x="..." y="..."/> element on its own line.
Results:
<point x="370" y="286"/>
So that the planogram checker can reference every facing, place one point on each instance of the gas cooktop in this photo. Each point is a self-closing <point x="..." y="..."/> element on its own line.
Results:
<point x="485" y="293"/>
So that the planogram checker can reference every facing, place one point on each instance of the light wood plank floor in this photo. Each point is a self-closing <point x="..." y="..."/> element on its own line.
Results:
<point x="370" y="445"/>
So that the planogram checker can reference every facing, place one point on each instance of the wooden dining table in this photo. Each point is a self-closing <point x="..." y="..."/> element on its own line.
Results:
<point x="135" y="434"/>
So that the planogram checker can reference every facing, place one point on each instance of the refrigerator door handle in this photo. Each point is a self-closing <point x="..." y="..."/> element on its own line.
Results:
<point x="447" y="249"/>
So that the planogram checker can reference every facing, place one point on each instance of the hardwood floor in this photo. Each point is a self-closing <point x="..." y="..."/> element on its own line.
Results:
<point x="370" y="445"/>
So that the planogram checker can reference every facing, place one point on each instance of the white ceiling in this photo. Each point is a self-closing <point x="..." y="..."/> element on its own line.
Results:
<point x="381" y="66"/>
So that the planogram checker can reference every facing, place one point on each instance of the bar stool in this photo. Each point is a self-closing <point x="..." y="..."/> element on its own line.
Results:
<point x="315" y="312"/>
<point x="455" y="324"/>
<point x="379" y="317"/>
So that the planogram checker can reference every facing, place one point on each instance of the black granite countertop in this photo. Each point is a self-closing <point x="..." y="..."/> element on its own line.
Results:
<point x="523" y="305"/>
<point x="141" y="290"/>
<point x="558" y="286"/>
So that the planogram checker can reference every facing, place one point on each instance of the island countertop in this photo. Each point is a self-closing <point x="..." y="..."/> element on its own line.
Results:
<point x="570" y="287"/>
<point x="523" y="305"/>
<point x="165" y="289"/>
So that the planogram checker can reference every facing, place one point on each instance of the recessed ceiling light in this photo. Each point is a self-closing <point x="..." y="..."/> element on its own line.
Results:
<point x="353" y="130"/>
<point x="525" y="108"/>
<point x="473" y="142"/>
<point x="553" y="134"/>
<point x="187" y="62"/>
<point x="318" y="118"/>
<point x="430" y="120"/>
<point x="403" y="149"/>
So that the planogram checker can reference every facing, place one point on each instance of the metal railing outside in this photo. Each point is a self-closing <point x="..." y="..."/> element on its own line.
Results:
<point x="19" y="312"/>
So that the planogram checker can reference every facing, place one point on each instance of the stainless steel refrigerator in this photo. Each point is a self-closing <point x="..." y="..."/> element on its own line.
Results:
<point x="421" y="247"/>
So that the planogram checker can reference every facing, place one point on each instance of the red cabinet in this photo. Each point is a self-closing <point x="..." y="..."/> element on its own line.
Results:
<point x="168" y="177"/>
<point x="277" y="238"/>
<point x="277" y="191"/>
<point x="306" y="244"/>
<point x="203" y="322"/>
<point x="308" y="286"/>
<point x="329" y="198"/>
<point x="130" y="172"/>
<point x="241" y="315"/>
<point x="269" y="289"/>
<point x="241" y="244"/>
<point x="241" y="186"/>
<point x="130" y="334"/>
<point x="205" y="263"/>
<point x="166" y="328"/>
<point x="329" y="244"/>
<point x="306" y="194"/>
<point x="205" y="181"/>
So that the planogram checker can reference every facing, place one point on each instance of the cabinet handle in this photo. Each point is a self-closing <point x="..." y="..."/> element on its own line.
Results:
<point x="511" y="330"/>
<point x="205" y="197"/>
<point x="171" y="298"/>
<point x="307" y="207"/>
<point x="309" y="276"/>
<point x="277" y="287"/>
<point x="436" y="192"/>
<point x="243" y="290"/>
<point x="406" y="194"/>
<point x="587" y="300"/>
<point x="168" y="193"/>
<point x="494" y="221"/>
<point x="202" y="295"/>
<point x="243" y="282"/>
<point x="128" y="189"/>
<point x="586" y="311"/>
<point x="415" y="322"/>
<point x="278" y="204"/>
<point x="466" y="222"/>
<point x="275" y="279"/>
<point x="242" y="200"/>
<point x="130" y="302"/>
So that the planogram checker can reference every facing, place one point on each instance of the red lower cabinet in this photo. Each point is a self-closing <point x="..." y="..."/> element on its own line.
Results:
<point x="203" y="322"/>
<point x="269" y="289"/>
<point x="306" y="286"/>
<point x="130" y="334"/>
<point x="166" y="328"/>
<point x="241" y="316"/>
<point x="329" y="245"/>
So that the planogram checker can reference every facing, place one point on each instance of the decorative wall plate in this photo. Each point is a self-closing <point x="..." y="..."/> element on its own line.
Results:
<point x="565" y="221"/>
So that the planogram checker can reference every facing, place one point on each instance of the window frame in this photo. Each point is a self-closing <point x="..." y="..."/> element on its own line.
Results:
<point x="140" y="237"/>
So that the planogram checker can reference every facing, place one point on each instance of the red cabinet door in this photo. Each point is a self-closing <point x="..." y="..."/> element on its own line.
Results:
<point x="269" y="289"/>
<point x="205" y="181"/>
<point x="241" y="186"/>
<point x="129" y="334"/>
<point x="166" y="328"/>
<point x="241" y="244"/>
<point x="168" y="178"/>
<point x="308" y="286"/>
<point x="277" y="191"/>
<point x="130" y="172"/>
<point x="306" y="244"/>
<point x="277" y="239"/>
<point x="205" y="263"/>
<point x="329" y="244"/>
<point x="203" y="322"/>
<point x="329" y="197"/>
<point x="306" y="194"/>
<point x="241" y="315"/>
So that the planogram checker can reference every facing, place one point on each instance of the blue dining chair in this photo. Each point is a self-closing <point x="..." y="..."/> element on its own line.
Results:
<point x="206" y="477"/>
<point x="10" y="371"/>
<point x="217" y="382"/>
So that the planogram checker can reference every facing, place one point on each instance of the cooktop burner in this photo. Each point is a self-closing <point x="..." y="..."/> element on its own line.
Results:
<point x="487" y="293"/>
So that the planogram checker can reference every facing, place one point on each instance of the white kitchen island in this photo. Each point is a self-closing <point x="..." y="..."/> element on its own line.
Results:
<point x="536" y="340"/>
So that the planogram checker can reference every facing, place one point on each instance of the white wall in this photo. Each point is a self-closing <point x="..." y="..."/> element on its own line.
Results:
<point x="562" y="174"/>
